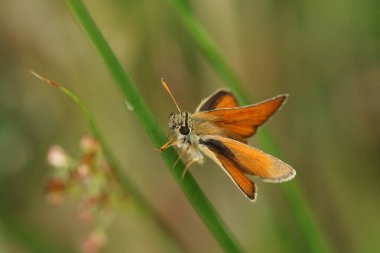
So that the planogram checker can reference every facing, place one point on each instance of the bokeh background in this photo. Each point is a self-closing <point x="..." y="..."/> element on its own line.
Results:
<point x="325" y="54"/>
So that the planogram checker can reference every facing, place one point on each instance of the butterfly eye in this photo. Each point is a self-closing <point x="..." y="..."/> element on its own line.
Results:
<point x="184" y="130"/>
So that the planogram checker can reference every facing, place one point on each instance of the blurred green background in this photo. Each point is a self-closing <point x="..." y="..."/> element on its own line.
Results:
<point x="325" y="54"/>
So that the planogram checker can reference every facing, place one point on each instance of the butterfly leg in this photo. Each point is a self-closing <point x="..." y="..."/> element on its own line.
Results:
<point x="191" y="162"/>
<point x="180" y="156"/>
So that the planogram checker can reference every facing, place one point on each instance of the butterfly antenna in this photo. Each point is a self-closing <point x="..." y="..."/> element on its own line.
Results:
<point x="170" y="93"/>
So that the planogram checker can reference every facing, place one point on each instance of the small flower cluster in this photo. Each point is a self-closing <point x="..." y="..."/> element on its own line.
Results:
<point x="90" y="179"/>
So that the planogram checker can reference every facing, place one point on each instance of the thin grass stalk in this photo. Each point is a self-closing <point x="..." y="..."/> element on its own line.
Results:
<point x="301" y="212"/>
<point x="116" y="167"/>
<point x="189" y="186"/>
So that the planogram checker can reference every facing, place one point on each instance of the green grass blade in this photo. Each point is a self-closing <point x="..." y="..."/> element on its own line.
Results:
<point x="116" y="167"/>
<point x="209" y="49"/>
<point x="191" y="189"/>
<point x="302" y="213"/>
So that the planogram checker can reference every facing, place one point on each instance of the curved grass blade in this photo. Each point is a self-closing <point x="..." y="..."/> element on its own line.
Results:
<point x="117" y="170"/>
<point x="189" y="186"/>
<point x="302" y="213"/>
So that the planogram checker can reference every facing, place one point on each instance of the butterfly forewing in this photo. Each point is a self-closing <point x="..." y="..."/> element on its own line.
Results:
<point x="219" y="99"/>
<point x="240" y="123"/>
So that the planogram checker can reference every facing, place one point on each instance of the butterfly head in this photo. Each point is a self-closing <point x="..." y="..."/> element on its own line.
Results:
<point x="179" y="122"/>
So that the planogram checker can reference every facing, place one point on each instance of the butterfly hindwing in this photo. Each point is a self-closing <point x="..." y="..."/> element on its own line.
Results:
<point x="235" y="156"/>
<point x="225" y="159"/>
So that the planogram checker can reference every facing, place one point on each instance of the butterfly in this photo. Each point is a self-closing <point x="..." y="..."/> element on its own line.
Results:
<point x="219" y="129"/>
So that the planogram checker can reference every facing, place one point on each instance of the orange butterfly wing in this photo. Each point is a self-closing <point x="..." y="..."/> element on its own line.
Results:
<point x="237" y="158"/>
<point x="219" y="99"/>
<point x="240" y="123"/>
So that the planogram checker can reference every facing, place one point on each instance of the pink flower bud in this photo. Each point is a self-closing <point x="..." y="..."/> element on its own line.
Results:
<point x="57" y="157"/>
<point x="83" y="171"/>
<point x="54" y="191"/>
<point x="54" y="198"/>
<point x="94" y="242"/>
<point x="89" y="144"/>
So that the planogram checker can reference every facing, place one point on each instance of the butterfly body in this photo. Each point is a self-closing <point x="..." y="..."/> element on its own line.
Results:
<point x="187" y="138"/>
<point x="219" y="129"/>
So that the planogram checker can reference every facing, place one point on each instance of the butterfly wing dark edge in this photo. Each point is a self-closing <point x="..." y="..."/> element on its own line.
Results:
<point x="218" y="99"/>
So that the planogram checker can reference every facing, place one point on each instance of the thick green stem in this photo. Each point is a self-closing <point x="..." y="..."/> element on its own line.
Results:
<point x="191" y="189"/>
<point x="302" y="213"/>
